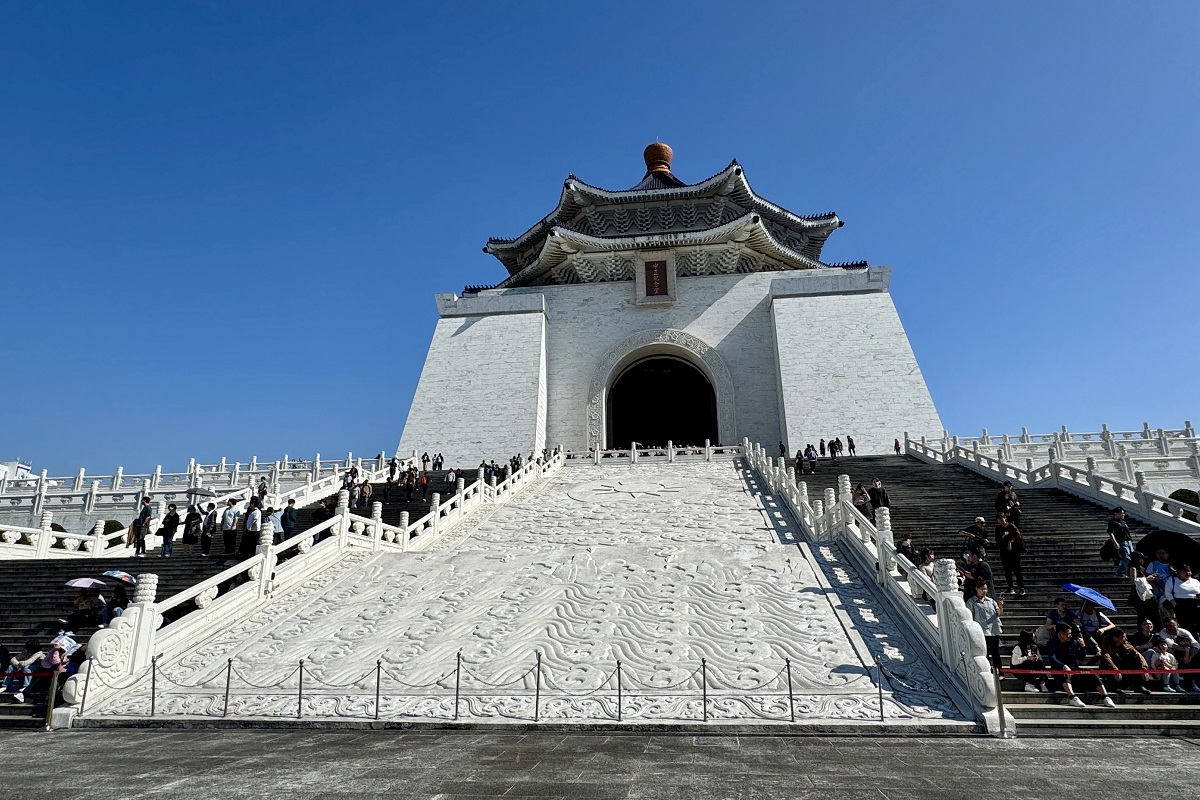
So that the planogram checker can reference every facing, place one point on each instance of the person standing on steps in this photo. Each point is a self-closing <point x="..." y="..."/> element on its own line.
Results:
<point x="208" y="528"/>
<point x="251" y="528"/>
<point x="879" y="497"/>
<point x="850" y="444"/>
<point x="143" y="529"/>
<point x="862" y="502"/>
<point x="1011" y="544"/>
<point x="367" y="491"/>
<point x="288" y="519"/>
<point x="1118" y="533"/>
<point x="425" y="461"/>
<point x="896" y="446"/>
<point x="1008" y="504"/>
<point x="812" y="460"/>
<point x="987" y="612"/>
<point x="976" y="538"/>
<point x="782" y="449"/>
<point x="170" y="524"/>
<point x="393" y="465"/>
<point x="229" y="520"/>
<point x="822" y="448"/>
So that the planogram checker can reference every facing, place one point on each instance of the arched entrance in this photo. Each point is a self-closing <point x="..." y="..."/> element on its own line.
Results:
<point x="659" y="399"/>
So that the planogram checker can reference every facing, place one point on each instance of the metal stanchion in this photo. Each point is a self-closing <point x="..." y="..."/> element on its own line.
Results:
<point x="153" y="683"/>
<point x="791" y="698"/>
<point x="300" y="693"/>
<point x="704" y="688"/>
<point x="228" y="678"/>
<point x="879" y="684"/>
<point x="618" y="691"/>
<point x="378" y="670"/>
<point x="457" y="677"/>
<point x="50" y="699"/>
<point x="1004" y="732"/>
<point x="537" y="687"/>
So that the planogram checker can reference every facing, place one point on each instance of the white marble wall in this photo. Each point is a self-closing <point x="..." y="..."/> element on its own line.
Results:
<point x="846" y="365"/>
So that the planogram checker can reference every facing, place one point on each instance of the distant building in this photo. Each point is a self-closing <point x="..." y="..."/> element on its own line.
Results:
<point x="15" y="470"/>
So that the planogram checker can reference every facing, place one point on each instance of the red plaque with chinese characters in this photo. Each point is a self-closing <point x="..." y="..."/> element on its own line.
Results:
<point x="656" y="278"/>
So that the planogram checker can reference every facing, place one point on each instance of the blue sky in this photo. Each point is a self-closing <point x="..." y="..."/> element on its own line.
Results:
<point x="222" y="224"/>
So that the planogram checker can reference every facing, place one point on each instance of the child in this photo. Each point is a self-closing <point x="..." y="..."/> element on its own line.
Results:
<point x="1161" y="657"/>
<point x="1025" y="655"/>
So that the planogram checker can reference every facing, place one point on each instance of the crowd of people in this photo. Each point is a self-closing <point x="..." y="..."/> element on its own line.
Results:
<point x="36" y="670"/>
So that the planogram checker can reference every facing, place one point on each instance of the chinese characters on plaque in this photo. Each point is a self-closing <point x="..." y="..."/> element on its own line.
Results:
<point x="656" y="279"/>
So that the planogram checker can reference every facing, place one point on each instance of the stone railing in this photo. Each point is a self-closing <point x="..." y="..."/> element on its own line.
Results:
<point x="81" y="498"/>
<point x="22" y="541"/>
<point x="947" y="630"/>
<point x="1168" y="458"/>
<point x="1086" y="482"/>
<point x="118" y="654"/>
<point x="668" y="454"/>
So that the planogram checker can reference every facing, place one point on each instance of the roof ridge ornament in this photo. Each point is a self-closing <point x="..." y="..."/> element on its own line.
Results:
<point x="658" y="157"/>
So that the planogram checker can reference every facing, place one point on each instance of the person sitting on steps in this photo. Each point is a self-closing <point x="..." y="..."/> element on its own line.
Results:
<point x="1064" y="651"/>
<point x="1026" y="656"/>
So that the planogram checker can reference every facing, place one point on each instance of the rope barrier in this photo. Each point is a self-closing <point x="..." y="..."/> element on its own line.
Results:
<point x="418" y="685"/>
<point x="327" y="685"/>
<point x="695" y="672"/>
<point x="527" y="673"/>
<point x="588" y="693"/>
<point x="253" y="685"/>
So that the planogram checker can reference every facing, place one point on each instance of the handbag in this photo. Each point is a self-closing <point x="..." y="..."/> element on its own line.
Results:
<point x="1142" y="587"/>
<point x="1108" y="551"/>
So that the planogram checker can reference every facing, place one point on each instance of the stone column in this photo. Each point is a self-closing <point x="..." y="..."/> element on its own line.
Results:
<point x="804" y="492"/>
<point x="89" y="505"/>
<point x="884" y="544"/>
<point x="266" y="548"/>
<point x="845" y="494"/>
<point x="404" y="531"/>
<point x="376" y="525"/>
<point x="945" y="578"/>
<point x="97" y="537"/>
<point x="434" y="502"/>
<point x="46" y="537"/>
<point x="343" y="511"/>
<point x="830" y="501"/>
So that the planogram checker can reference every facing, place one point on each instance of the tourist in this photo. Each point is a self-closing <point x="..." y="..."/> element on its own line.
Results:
<point x="1061" y="614"/>
<point x="1010" y="543"/>
<point x="410" y="484"/>
<point x="143" y="528"/>
<point x="986" y="612"/>
<point x="425" y="461"/>
<point x="229" y="521"/>
<point x="1008" y="504"/>
<point x="120" y="601"/>
<point x="812" y="460"/>
<point x="276" y="518"/>
<point x="976" y="536"/>
<point x="387" y="490"/>
<point x="834" y="446"/>
<point x="355" y="495"/>
<point x="1182" y="592"/>
<point x="896" y="446"/>
<point x="862" y="502"/>
<point x="879" y="497"/>
<point x="1118" y="533"/>
<point x="207" y="528"/>
<point x="1158" y="572"/>
<point x="365" y="494"/>
<point x="1064" y="651"/>
<point x="1161" y="658"/>
<point x="393" y="465"/>
<point x="850" y="444"/>
<point x="1143" y="638"/>
<point x="1118" y="654"/>
<point x="451" y="480"/>
<point x="1183" y="645"/>
<point x="1093" y="624"/>
<point x="354" y="473"/>
<point x="424" y="485"/>
<point x="83" y="611"/>
<point x="1026" y="656"/>
<point x="905" y="548"/>
<point x="288" y="519"/>
<point x="250" y="529"/>
<point x="974" y="572"/>
<point x="23" y="665"/>
<point x="822" y="448"/>
<point x="262" y="492"/>
<point x="191" y="525"/>
<point x="1141" y="593"/>
<point x="170" y="523"/>
<point x="782" y="450"/>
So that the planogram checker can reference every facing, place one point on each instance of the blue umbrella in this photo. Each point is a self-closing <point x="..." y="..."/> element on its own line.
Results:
<point x="1089" y="594"/>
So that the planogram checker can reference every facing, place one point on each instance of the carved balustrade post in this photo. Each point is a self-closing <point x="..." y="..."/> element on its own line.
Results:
<point x="46" y="537"/>
<point x="633" y="453"/>
<point x="945" y="578"/>
<point x="404" y="531"/>
<point x="435" y="501"/>
<point x="39" y="500"/>
<point x="1188" y="430"/>
<point x="89" y="505"/>
<point x="670" y="452"/>
<point x="266" y="548"/>
<point x="1146" y="431"/>
<point x="156" y="478"/>
<point x="1164" y="445"/>
<point x="78" y="481"/>
<point x="236" y="475"/>
<point x="984" y="438"/>
<point x="376" y="525"/>
<point x="707" y="450"/>
<point x="818" y="520"/>
<point x="97" y="535"/>
<point x="316" y="467"/>
<point x="885" y="542"/>
<point x="596" y="454"/>
<point x="845" y="493"/>
<point x="804" y="492"/>
<point x="1143" y="500"/>
<point x="1194" y="457"/>
<point x="460" y="488"/>
<point x="1008" y="452"/>
<point x="1092" y="479"/>
<point x="1024" y="435"/>
<point x="830" y="500"/>
<point x="343" y="512"/>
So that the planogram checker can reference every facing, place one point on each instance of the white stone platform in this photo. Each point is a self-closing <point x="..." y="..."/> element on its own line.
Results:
<point x="658" y="566"/>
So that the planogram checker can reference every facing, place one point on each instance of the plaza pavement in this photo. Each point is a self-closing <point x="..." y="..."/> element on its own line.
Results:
<point x="206" y="765"/>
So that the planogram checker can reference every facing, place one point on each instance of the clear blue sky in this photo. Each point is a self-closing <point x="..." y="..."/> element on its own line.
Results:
<point x="222" y="224"/>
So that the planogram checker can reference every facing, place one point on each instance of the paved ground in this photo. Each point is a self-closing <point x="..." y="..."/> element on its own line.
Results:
<point x="318" y="764"/>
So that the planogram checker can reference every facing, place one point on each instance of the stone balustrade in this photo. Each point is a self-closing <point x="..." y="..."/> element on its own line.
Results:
<point x="946" y="629"/>
<point x="1086" y="481"/>
<point x="124" y="650"/>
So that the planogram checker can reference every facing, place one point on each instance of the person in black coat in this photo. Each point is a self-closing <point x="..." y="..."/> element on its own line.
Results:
<point x="170" y="523"/>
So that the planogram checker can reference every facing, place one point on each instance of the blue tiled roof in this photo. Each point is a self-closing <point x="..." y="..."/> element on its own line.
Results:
<point x="658" y="180"/>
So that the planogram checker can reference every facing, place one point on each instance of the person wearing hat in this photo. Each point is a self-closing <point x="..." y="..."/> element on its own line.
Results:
<point x="976" y="538"/>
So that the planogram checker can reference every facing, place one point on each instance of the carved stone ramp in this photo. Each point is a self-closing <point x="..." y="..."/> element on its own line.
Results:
<point x="673" y="571"/>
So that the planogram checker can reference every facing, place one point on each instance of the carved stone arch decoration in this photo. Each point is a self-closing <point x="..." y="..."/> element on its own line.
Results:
<point x="666" y="341"/>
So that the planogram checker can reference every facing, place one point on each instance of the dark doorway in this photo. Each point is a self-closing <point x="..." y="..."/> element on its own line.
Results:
<point x="661" y="399"/>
